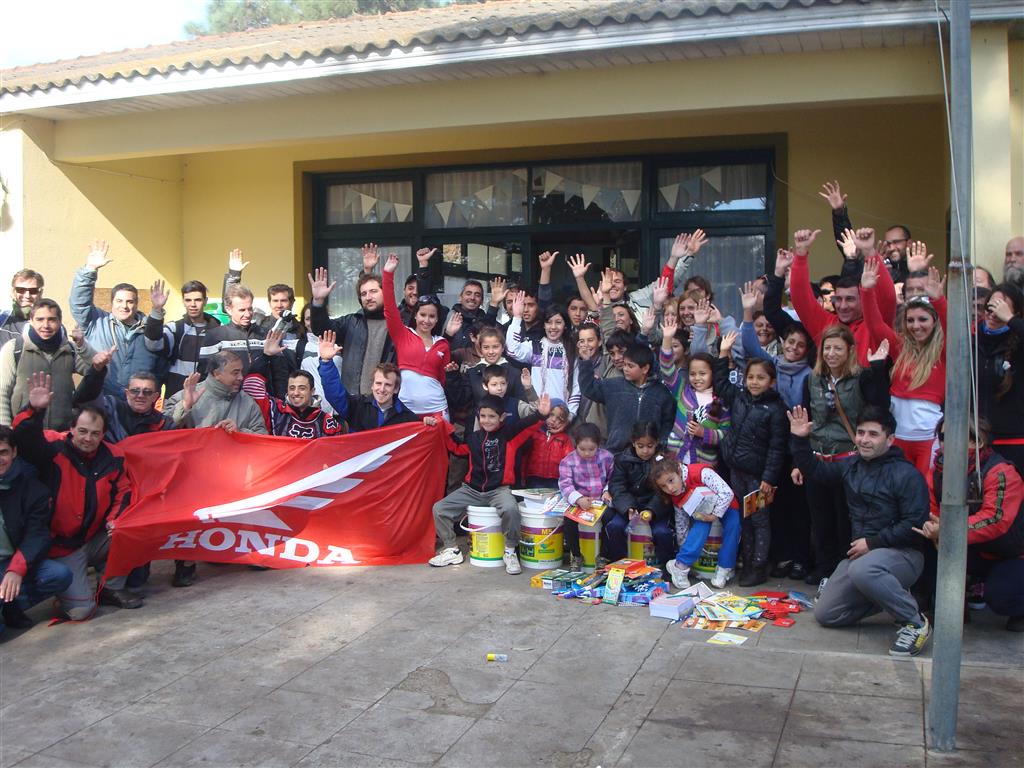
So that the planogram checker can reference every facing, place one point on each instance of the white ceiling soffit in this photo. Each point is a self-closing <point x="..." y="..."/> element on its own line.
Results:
<point x="533" y="45"/>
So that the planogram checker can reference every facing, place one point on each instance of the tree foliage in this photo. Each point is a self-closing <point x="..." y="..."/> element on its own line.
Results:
<point x="239" y="15"/>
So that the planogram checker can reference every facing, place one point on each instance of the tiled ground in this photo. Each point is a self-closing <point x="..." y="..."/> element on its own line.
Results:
<point x="386" y="667"/>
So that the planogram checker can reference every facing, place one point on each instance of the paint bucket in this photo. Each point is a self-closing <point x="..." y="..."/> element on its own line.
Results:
<point x="641" y="542"/>
<point x="540" y="539"/>
<point x="706" y="564"/>
<point x="486" y="541"/>
<point x="590" y="545"/>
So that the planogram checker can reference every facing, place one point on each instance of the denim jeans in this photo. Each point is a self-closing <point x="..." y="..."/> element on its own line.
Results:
<point x="44" y="579"/>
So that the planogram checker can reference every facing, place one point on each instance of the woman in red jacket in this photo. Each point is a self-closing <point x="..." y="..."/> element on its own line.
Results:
<point x="995" y="525"/>
<point x="422" y="356"/>
<point x="919" y="350"/>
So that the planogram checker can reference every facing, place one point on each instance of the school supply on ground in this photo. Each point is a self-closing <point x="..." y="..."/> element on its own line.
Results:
<point x="675" y="606"/>
<point x="801" y="599"/>
<point x="724" y="638"/>
<point x="613" y="585"/>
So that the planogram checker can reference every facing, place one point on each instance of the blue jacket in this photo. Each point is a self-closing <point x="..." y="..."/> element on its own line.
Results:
<point x="102" y="331"/>
<point x="790" y="377"/>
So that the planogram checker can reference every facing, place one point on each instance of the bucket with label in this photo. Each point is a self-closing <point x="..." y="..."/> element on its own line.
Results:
<point x="590" y="544"/>
<point x="705" y="566"/>
<point x="540" y="539"/>
<point x="641" y="542"/>
<point x="486" y="541"/>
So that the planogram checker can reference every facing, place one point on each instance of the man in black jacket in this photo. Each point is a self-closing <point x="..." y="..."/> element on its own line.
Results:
<point x="362" y="412"/>
<point x="25" y="509"/>
<point x="888" y="499"/>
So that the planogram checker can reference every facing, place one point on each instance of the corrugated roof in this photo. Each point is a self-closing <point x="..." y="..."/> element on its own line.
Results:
<point x="362" y="34"/>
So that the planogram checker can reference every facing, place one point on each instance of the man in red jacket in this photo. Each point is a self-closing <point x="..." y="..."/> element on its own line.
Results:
<point x="90" y="488"/>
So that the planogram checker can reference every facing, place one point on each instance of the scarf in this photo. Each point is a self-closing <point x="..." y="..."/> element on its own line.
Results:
<point x="994" y="332"/>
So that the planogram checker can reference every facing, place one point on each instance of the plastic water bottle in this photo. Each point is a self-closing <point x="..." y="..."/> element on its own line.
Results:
<point x="497" y="657"/>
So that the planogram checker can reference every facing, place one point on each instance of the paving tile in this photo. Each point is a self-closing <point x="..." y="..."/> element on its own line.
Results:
<point x="741" y="666"/>
<point x="42" y="760"/>
<point x="401" y="734"/>
<point x="862" y="675"/>
<point x="433" y="689"/>
<point x="20" y="724"/>
<point x="236" y="750"/>
<point x="10" y="755"/>
<point x="857" y="718"/>
<point x="969" y="758"/>
<point x="294" y="716"/>
<point x="685" y="704"/>
<point x="664" y="744"/>
<point x="200" y="699"/>
<point x="827" y="751"/>
<point x="534" y="703"/>
<point x="125" y="739"/>
<point x="491" y="743"/>
<point x="326" y="757"/>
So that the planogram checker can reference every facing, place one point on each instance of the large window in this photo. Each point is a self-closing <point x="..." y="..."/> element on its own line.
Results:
<point x="495" y="220"/>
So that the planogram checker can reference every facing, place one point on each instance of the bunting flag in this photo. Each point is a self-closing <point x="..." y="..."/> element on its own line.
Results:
<point x="714" y="178"/>
<point x="692" y="187"/>
<point x="445" y="209"/>
<point x="551" y="182"/>
<point x="402" y="211"/>
<point x="362" y="499"/>
<point x="486" y="196"/>
<point x="519" y="173"/>
<point x="367" y="204"/>
<point x="632" y="199"/>
<point x="671" y="193"/>
<point x="383" y="210"/>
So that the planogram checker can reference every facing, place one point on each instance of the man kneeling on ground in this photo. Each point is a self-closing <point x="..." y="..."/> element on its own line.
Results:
<point x="888" y="499"/>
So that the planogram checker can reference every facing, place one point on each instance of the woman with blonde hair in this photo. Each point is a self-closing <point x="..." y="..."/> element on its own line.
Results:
<point x="919" y="350"/>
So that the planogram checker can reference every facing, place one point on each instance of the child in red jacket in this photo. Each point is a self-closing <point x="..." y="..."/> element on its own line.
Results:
<point x="548" y="444"/>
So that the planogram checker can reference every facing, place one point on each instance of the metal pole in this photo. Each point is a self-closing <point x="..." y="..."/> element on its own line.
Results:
<point x="945" y="689"/>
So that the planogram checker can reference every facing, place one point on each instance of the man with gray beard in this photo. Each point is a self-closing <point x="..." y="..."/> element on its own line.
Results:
<point x="1013" y="266"/>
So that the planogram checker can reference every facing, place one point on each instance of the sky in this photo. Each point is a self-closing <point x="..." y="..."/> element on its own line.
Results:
<point x="38" y="31"/>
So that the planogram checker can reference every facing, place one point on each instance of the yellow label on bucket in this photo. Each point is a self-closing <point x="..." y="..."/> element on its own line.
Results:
<point x="487" y="544"/>
<point x="590" y="545"/>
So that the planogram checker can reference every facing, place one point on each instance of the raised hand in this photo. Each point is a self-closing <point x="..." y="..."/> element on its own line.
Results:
<point x="423" y="256"/>
<point x="727" y="343"/>
<point x="1001" y="309"/>
<point x="697" y="241"/>
<point x="865" y="239"/>
<point x="935" y="285"/>
<point x="669" y="324"/>
<point x="547" y="259"/>
<point x="848" y="242"/>
<point x="607" y="279"/>
<point x="869" y="277"/>
<point x="526" y="378"/>
<point x="370" y="257"/>
<point x="39" y="390"/>
<point x="454" y="324"/>
<point x="598" y="295"/>
<point x="97" y="257"/>
<point x="879" y="354"/>
<point x="803" y="239"/>
<point x="578" y="264"/>
<point x="834" y="195"/>
<point x="702" y="312"/>
<point x="190" y="393"/>
<point x="660" y="294"/>
<point x="319" y="289"/>
<point x="748" y="297"/>
<point x="544" y="405"/>
<point x="714" y="315"/>
<point x="499" y="290"/>
<point x="235" y="263"/>
<point x="159" y="294"/>
<point x="327" y="347"/>
<point x="272" y="344"/>
<point x="918" y="257"/>
<point x="78" y="336"/>
<point x="799" y="423"/>
<point x="680" y="247"/>
<point x="518" y="304"/>
<point x="102" y="359"/>
<point x="390" y="265"/>
<point x="647" y="321"/>
<point x="783" y="261"/>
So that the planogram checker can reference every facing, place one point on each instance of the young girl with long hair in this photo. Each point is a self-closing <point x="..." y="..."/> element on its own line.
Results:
<point x="552" y="358"/>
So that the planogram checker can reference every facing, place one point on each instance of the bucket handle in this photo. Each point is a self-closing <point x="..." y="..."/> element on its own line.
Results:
<point x="554" y="530"/>
<point x="462" y="524"/>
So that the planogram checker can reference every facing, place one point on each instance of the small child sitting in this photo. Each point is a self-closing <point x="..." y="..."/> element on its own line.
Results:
<point x="582" y="477"/>
<point x="548" y="444"/>
<point x="632" y="494"/>
<point x="695" y="514"/>
<point x="495" y="378"/>
<point x="491" y="450"/>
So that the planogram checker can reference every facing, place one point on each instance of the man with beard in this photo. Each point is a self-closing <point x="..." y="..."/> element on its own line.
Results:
<point x="1013" y="266"/>
<point x="26" y="287"/>
<point x="298" y="415"/>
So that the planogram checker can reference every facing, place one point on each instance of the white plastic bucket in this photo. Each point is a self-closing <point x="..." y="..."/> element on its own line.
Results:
<point x="540" y="539"/>
<point x="486" y="541"/>
<point x="590" y="544"/>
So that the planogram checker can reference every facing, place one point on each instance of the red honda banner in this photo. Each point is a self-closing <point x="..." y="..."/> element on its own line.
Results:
<point x="204" y="494"/>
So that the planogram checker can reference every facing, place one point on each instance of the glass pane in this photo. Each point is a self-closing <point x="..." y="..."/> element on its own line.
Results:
<point x="479" y="261"/>
<point x="593" y="192"/>
<point x="379" y="202"/>
<point x="713" y="188"/>
<point x="488" y="198"/>
<point x="344" y="266"/>
<point x="727" y="262"/>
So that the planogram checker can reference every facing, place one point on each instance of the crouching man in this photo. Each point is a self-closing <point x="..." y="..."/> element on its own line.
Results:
<point x="28" y="577"/>
<point x="89" y="485"/>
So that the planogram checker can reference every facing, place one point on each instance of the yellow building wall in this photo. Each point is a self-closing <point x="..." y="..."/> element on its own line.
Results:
<point x="1016" y="64"/>
<point x="134" y="205"/>
<point x="894" y="170"/>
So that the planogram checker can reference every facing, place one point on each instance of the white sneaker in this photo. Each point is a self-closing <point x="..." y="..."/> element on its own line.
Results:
<point x="512" y="562"/>
<point x="450" y="556"/>
<point x="721" y="577"/>
<point x="679" y="574"/>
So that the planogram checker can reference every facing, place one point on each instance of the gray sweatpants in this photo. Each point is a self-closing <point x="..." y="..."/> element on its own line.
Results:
<point x="877" y="581"/>
<point x="79" y="600"/>
<point x="453" y="506"/>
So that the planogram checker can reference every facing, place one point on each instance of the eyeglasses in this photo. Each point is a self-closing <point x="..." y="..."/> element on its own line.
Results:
<point x="919" y="300"/>
<point x="29" y="291"/>
<point x="825" y="291"/>
<point x="137" y="391"/>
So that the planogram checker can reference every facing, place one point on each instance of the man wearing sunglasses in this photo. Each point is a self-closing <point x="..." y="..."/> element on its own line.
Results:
<point x="132" y="413"/>
<point x="26" y="287"/>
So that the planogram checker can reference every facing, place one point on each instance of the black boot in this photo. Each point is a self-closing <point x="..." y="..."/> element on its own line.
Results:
<point x="754" y="576"/>
<point x="15" y="618"/>
<point x="184" y="574"/>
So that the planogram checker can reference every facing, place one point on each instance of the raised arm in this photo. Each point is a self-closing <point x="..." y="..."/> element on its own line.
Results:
<point x="877" y="327"/>
<point x="516" y="346"/>
<point x="83" y="310"/>
<point x="814" y="317"/>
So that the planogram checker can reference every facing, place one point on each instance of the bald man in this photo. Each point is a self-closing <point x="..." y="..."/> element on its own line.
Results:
<point x="1013" y="266"/>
